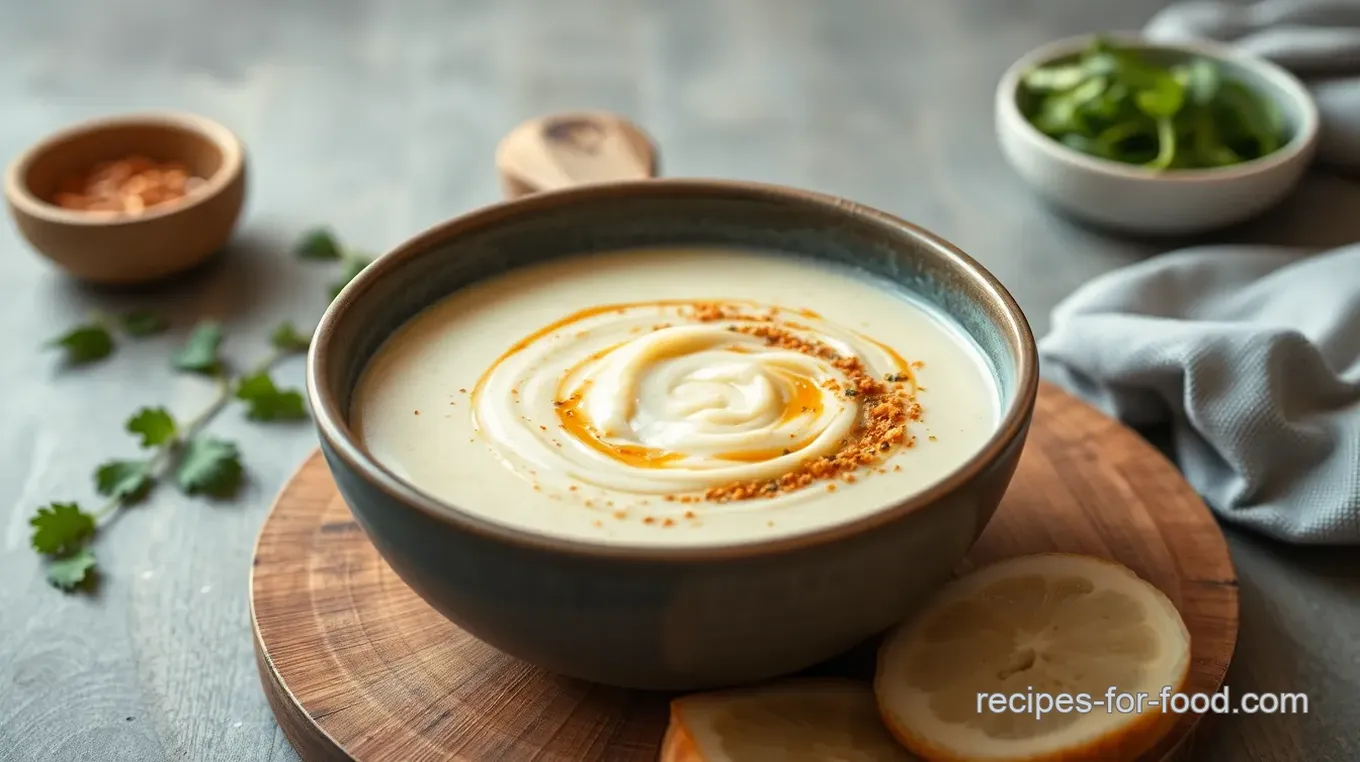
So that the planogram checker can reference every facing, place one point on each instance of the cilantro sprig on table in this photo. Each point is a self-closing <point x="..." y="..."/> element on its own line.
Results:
<point x="172" y="450"/>
<point x="93" y="341"/>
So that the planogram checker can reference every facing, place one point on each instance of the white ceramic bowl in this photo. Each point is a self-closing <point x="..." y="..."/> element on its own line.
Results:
<point x="1145" y="201"/>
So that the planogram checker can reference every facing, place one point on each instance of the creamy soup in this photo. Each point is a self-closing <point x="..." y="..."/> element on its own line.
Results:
<point x="675" y="397"/>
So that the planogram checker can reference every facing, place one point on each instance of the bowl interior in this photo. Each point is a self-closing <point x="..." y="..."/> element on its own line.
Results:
<point x="665" y="212"/>
<point x="79" y="151"/>
<point x="1285" y="94"/>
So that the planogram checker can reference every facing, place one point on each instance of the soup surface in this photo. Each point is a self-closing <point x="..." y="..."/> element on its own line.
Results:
<point x="675" y="397"/>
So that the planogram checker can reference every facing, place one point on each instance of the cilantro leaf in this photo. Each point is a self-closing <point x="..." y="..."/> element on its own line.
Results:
<point x="71" y="571"/>
<point x="286" y="338"/>
<point x="351" y="267"/>
<point x="266" y="402"/>
<point x="126" y="479"/>
<point x="318" y="244"/>
<point x="1114" y="104"/>
<point x="60" y="528"/>
<point x="155" y="425"/>
<point x="140" y="323"/>
<point x="209" y="466"/>
<point x="199" y="353"/>
<point x="85" y="343"/>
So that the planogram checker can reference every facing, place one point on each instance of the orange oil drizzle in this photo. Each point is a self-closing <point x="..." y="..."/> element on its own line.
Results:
<point x="805" y="397"/>
<point x="603" y="309"/>
<point x="760" y="456"/>
<point x="583" y="430"/>
<point x="904" y="368"/>
<point x="576" y="423"/>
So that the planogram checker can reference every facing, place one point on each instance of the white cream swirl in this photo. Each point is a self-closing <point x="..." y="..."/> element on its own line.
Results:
<point x="611" y="398"/>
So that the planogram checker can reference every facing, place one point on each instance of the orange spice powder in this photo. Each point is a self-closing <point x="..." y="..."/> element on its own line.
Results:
<point x="129" y="186"/>
<point x="886" y="405"/>
<point x="886" y="408"/>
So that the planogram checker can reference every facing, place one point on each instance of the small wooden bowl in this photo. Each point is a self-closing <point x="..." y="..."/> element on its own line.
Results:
<point x="130" y="248"/>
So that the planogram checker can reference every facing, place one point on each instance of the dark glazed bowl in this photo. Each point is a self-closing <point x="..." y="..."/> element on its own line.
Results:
<point x="670" y="618"/>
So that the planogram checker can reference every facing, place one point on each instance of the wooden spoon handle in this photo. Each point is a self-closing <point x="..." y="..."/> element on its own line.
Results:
<point x="562" y="150"/>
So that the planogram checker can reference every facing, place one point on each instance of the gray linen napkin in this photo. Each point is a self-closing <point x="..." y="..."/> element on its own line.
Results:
<point x="1319" y="40"/>
<point x="1252" y="356"/>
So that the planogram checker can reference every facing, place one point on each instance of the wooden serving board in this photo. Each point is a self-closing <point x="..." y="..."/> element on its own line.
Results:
<point x="356" y="666"/>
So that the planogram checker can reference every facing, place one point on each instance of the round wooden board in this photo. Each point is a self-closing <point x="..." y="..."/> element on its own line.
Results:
<point x="356" y="666"/>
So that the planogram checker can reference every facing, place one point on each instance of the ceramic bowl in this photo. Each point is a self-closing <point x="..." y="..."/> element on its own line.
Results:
<point x="1138" y="200"/>
<point x="669" y="618"/>
<point x="154" y="244"/>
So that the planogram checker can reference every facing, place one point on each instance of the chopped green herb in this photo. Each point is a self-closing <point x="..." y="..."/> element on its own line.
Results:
<point x="319" y="244"/>
<point x="72" y="570"/>
<point x="267" y="402"/>
<point x="199" y="353"/>
<point x="209" y="466"/>
<point x="85" y="343"/>
<point x="128" y="480"/>
<point x="1113" y="104"/>
<point x="287" y="338"/>
<point x="155" y="425"/>
<point x="140" y="323"/>
<point x="60" y="528"/>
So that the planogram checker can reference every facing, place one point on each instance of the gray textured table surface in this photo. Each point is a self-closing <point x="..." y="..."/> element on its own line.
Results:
<point x="380" y="118"/>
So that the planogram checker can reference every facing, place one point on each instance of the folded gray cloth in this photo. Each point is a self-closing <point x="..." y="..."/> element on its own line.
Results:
<point x="1319" y="40"/>
<point x="1251" y="355"/>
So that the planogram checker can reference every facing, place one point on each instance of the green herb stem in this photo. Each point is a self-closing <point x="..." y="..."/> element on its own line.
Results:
<point x="108" y="508"/>
<point x="164" y="458"/>
<point x="1166" y="144"/>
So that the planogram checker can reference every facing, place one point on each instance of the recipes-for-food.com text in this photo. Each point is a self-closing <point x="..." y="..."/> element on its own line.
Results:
<point x="1114" y="701"/>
